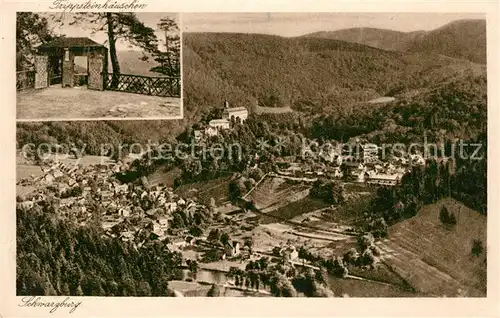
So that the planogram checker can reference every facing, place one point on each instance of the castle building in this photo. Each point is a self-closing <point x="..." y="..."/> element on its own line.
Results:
<point x="215" y="125"/>
<point x="236" y="112"/>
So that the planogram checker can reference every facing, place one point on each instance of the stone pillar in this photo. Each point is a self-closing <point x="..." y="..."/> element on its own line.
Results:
<point x="68" y="78"/>
<point x="95" y="69"/>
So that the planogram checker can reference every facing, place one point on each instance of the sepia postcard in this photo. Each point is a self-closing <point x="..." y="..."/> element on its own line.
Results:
<point x="91" y="65"/>
<point x="327" y="161"/>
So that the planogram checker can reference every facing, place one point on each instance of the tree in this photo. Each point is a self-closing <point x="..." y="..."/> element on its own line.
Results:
<point x="379" y="227"/>
<point x="236" y="188"/>
<point x="214" y="291"/>
<point x="119" y="26"/>
<point x="446" y="217"/>
<point x="367" y="258"/>
<point x="281" y="286"/>
<point x="328" y="190"/>
<point x="351" y="256"/>
<point x="365" y="241"/>
<point x="144" y="289"/>
<point x="214" y="236"/>
<point x="212" y="206"/>
<point x="477" y="247"/>
<point x="248" y="242"/>
<point x="196" y="231"/>
<point x="31" y="30"/>
<point x="192" y="265"/>
<point x="338" y="268"/>
<point x="169" y="59"/>
<point x="320" y="290"/>
<point x="224" y="238"/>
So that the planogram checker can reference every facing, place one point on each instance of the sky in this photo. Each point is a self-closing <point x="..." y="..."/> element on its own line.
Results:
<point x="151" y="19"/>
<point x="295" y="24"/>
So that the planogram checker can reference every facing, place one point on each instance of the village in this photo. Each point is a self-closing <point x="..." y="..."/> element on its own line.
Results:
<point x="220" y="236"/>
<point x="361" y="161"/>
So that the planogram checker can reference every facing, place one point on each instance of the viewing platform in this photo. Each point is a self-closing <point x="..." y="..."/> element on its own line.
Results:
<point x="79" y="102"/>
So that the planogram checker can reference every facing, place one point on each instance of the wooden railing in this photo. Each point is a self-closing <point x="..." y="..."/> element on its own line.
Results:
<point x="140" y="84"/>
<point x="25" y="79"/>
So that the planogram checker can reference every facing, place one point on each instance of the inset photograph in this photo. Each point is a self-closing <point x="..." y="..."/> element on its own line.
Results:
<point x="98" y="65"/>
<point x="320" y="155"/>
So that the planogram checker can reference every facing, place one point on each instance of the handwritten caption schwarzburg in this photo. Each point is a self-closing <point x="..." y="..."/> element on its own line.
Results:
<point x="53" y="305"/>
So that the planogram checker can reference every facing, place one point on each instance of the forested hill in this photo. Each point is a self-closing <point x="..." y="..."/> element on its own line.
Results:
<point x="380" y="38"/>
<point x="308" y="74"/>
<point x="465" y="39"/>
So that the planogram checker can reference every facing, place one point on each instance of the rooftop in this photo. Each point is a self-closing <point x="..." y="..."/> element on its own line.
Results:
<point x="219" y="121"/>
<point x="385" y="176"/>
<point x="63" y="42"/>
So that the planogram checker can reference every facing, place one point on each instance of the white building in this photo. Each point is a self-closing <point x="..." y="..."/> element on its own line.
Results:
<point x="215" y="125"/>
<point x="236" y="112"/>
<point x="384" y="179"/>
<point x="290" y="253"/>
<point x="219" y="123"/>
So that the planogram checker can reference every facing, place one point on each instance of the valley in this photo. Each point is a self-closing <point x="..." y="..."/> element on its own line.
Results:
<point x="317" y="200"/>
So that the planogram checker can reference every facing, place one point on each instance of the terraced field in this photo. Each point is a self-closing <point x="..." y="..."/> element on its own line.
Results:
<point x="204" y="190"/>
<point x="435" y="259"/>
<point x="165" y="177"/>
<point x="273" y="193"/>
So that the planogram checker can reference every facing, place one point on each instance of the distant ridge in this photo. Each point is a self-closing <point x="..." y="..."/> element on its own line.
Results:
<point x="465" y="39"/>
<point x="380" y="38"/>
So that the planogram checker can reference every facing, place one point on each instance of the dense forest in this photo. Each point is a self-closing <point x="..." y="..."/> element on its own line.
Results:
<point x="463" y="178"/>
<point x="308" y="74"/>
<point x="454" y="110"/>
<point x="56" y="257"/>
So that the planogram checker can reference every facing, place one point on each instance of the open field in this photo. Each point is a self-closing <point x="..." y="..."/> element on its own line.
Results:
<point x="165" y="177"/>
<point x="349" y="213"/>
<point x="204" y="190"/>
<point x="437" y="260"/>
<point x="26" y="170"/>
<point x="361" y="288"/>
<point x="293" y="209"/>
<point x="64" y="159"/>
<point x="274" y="193"/>
<point x="79" y="102"/>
